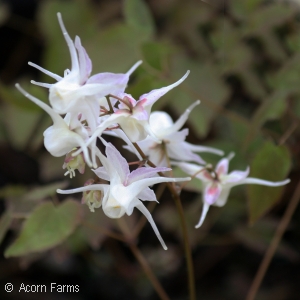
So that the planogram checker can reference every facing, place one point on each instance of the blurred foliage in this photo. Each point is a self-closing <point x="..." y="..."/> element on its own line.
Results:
<point x="245" y="68"/>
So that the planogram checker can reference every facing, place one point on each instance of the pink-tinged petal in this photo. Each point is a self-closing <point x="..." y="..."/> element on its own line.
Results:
<point x="148" y="216"/>
<point x="182" y="119"/>
<point x="205" y="209"/>
<point x="222" y="167"/>
<point x="85" y="64"/>
<point x="154" y="95"/>
<point x="117" y="161"/>
<point x="180" y="152"/>
<point x="236" y="176"/>
<point x="144" y="172"/>
<point x="109" y="78"/>
<point x="147" y="195"/>
<point x="139" y="113"/>
<point x="250" y="180"/>
<point x="74" y="58"/>
<point x="212" y="192"/>
<point x="101" y="172"/>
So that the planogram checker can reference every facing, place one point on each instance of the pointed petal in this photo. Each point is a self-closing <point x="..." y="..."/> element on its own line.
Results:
<point x="56" y="118"/>
<point x="144" y="172"/>
<point x="117" y="161"/>
<point x="147" y="195"/>
<point x="203" y="214"/>
<point x="85" y="64"/>
<point x="74" y="58"/>
<point x="102" y="173"/>
<point x="222" y="167"/>
<point x="182" y="119"/>
<point x="180" y="152"/>
<point x="235" y="176"/>
<point x="212" y="192"/>
<point x="198" y="148"/>
<point x="133" y="68"/>
<point x="92" y="187"/>
<point x="250" y="180"/>
<point x="148" y="216"/>
<point x="55" y="76"/>
<point x="154" y="95"/>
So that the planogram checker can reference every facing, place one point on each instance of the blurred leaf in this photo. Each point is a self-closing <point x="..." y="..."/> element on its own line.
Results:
<point x="259" y="238"/>
<point x="243" y="9"/>
<point x="44" y="191"/>
<point x="203" y="83"/>
<point x="270" y="163"/>
<point x="12" y="191"/>
<point x="156" y="54"/>
<point x="268" y="17"/>
<point x="287" y="78"/>
<point x="46" y="227"/>
<point x="5" y="222"/>
<point x="195" y="185"/>
<point x="116" y="48"/>
<point x="138" y="15"/>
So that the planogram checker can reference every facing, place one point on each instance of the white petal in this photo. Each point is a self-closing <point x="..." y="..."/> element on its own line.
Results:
<point x="154" y="95"/>
<point x="205" y="209"/>
<point x="146" y="213"/>
<point x="182" y="119"/>
<point x="250" y="180"/>
<point x="74" y="58"/>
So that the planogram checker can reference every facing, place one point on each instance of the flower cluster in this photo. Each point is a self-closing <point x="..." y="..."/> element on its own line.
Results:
<point x="84" y="107"/>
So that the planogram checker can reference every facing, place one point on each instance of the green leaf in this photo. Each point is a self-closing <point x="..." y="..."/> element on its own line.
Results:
<point x="5" y="222"/>
<point x="138" y="15"/>
<point x="270" y="163"/>
<point x="46" y="227"/>
<point x="203" y="83"/>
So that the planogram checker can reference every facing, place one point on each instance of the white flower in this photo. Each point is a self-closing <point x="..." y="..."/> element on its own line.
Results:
<point x="172" y="141"/>
<point x="126" y="190"/>
<point x="217" y="183"/>
<point x="63" y="136"/>
<point x="77" y="92"/>
<point x="133" y="116"/>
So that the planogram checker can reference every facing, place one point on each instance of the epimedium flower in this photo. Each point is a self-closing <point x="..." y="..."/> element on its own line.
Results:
<point x="127" y="189"/>
<point x="76" y="91"/>
<point x="63" y="136"/>
<point x="172" y="142"/>
<point x="217" y="183"/>
<point x="133" y="115"/>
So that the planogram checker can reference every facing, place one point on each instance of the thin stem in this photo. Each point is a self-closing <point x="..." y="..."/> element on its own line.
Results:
<point x="109" y="104"/>
<point x="142" y="261"/>
<point x="274" y="244"/>
<point x="187" y="248"/>
<point x="288" y="133"/>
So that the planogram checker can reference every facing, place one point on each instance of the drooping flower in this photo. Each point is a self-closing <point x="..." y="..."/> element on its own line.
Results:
<point x="63" y="136"/>
<point x="77" y="91"/>
<point x="217" y="183"/>
<point x="127" y="189"/>
<point x="172" y="141"/>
